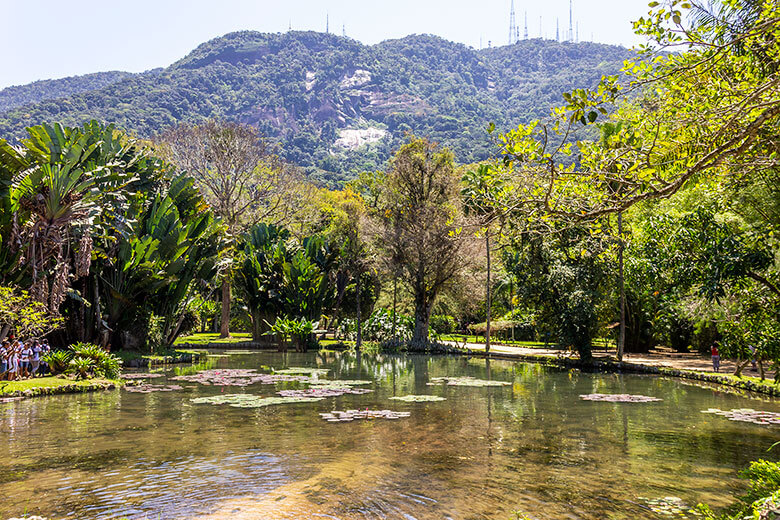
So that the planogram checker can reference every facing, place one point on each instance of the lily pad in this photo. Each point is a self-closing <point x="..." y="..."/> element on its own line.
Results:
<point x="419" y="398"/>
<point x="238" y="377"/>
<point x="147" y="389"/>
<point x="747" y="415"/>
<point x="619" y="398"/>
<point x="140" y="375"/>
<point x="355" y="415"/>
<point x="323" y="392"/>
<point x="252" y="401"/>
<point x="466" y="381"/>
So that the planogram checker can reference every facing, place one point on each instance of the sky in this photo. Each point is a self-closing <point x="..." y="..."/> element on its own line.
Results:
<point x="48" y="39"/>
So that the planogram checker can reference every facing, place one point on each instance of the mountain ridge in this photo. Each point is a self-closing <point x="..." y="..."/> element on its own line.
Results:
<point x="338" y="106"/>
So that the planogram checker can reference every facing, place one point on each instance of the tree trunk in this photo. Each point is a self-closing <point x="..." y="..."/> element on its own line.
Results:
<point x="487" y="312"/>
<point x="621" y="283"/>
<point x="359" y="339"/>
<point x="259" y="326"/>
<point x="224" y="330"/>
<point x="422" y="317"/>
<point x="395" y="301"/>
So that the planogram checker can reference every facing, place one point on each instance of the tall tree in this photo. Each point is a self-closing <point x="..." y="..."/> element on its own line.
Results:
<point x="240" y="176"/>
<point x="421" y="219"/>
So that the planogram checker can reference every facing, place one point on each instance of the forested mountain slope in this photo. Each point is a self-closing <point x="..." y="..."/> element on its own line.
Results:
<point x="44" y="90"/>
<point x="338" y="106"/>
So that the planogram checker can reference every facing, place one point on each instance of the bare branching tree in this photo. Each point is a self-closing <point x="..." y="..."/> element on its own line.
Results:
<point x="241" y="177"/>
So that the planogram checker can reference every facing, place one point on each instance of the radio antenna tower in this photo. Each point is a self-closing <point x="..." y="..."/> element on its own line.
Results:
<point x="327" y="23"/>
<point x="571" y="28"/>
<point x="512" y="24"/>
<point x="525" y="34"/>
<point x="557" y="29"/>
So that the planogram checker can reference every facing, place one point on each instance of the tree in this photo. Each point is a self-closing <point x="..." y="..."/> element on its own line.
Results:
<point x="421" y="222"/>
<point x="240" y="176"/>
<point x="23" y="315"/>
<point x="484" y="191"/>
<point x="711" y="109"/>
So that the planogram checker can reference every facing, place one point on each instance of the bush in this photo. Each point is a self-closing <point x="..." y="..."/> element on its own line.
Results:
<point x="91" y="359"/>
<point x="443" y="324"/>
<point x="58" y="361"/>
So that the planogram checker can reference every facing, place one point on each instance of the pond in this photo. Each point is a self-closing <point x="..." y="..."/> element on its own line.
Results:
<point x="531" y="445"/>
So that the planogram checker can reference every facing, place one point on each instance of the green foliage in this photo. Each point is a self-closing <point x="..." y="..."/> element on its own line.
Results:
<point x="94" y="360"/>
<point x="58" y="361"/>
<point x="422" y="83"/>
<point x="25" y="316"/>
<point x="443" y="324"/>
<point x="761" y="500"/>
<point x="279" y="276"/>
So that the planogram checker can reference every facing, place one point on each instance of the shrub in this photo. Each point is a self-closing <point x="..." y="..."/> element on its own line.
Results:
<point x="58" y="361"/>
<point x="99" y="362"/>
<point x="81" y="367"/>
<point x="443" y="324"/>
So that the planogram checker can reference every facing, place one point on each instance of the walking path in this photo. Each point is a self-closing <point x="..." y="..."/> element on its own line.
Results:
<point x="671" y="363"/>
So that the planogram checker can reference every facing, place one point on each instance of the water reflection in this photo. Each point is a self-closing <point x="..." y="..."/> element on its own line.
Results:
<point x="533" y="446"/>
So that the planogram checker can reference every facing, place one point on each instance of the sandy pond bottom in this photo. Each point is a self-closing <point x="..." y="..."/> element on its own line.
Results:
<point x="532" y="445"/>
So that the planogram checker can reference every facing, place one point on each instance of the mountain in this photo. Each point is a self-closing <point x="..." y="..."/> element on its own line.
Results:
<point x="17" y="96"/>
<point x="336" y="106"/>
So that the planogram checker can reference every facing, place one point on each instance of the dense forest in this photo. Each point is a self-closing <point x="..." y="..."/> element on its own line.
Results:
<point x="337" y="107"/>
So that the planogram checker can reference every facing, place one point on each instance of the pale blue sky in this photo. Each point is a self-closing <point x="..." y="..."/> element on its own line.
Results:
<point x="46" y="39"/>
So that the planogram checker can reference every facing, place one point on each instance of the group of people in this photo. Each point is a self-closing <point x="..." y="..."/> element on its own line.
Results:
<point x="22" y="360"/>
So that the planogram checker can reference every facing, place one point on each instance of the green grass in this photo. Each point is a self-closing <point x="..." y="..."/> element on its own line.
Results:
<point x="8" y="387"/>
<point x="476" y="339"/>
<point x="204" y="338"/>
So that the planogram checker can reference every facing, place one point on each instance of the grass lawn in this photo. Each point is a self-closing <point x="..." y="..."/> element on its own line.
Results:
<point x="8" y="387"/>
<point x="204" y="338"/>
<point x="471" y="338"/>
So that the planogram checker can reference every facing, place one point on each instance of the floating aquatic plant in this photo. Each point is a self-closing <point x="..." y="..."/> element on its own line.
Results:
<point x="354" y="415"/>
<point x="619" y="398"/>
<point x="303" y="370"/>
<point x="419" y="398"/>
<point x="148" y="388"/>
<point x="667" y="506"/>
<point x="466" y="381"/>
<point x="747" y="415"/>
<point x="237" y="377"/>
<point x="323" y="392"/>
<point x="139" y="375"/>
<point x="252" y="401"/>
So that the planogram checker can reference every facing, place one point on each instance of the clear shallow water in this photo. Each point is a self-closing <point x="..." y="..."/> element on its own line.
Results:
<point x="483" y="453"/>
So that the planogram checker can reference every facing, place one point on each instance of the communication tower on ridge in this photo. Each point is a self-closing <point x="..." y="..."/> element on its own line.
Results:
<point x="525" y="34"/>
<point x="327" y="24"/>
<point x="571" y="28"/>
<point x="512" y="24"/>
<point x="557" y="30"/>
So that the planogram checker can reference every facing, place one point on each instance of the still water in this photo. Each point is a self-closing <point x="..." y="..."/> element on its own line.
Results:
<point x="483" y="453"/>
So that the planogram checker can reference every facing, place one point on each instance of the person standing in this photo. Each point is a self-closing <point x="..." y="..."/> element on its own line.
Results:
<point x="25" y="357"/>
<point x="715" y="357"/>
<point x="13" y="361"/>
<point x="35" y="359"/>
<point x="4" y="354"/>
